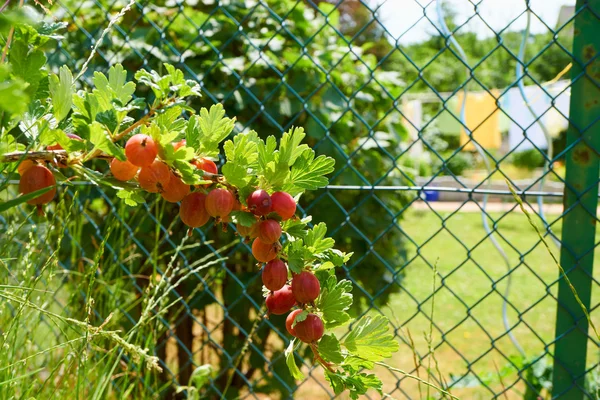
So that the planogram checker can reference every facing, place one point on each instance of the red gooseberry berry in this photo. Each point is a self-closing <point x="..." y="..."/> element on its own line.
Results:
<point x="35" y="178"/>
<point x="192" y="211"/>
<point x="274" y="275"/>
<point x="306" y="287"/>
<point x="59" y="147"/>
<point x="309" y="330"/>
<point x="206" y="165"/>
<point x="259" y="202"/>
<point x="155" y="177"/>
<point x="248" y="231"/>
<point x="123" y="170"/>
<point x="175" y="190"/>
<point x="269" y="231"/>
<point x="141" y="150"/>
<point x="219" y="203"/>
<point x="24" y="166"/>
<point x="280" y="301"/>
<point x="264" y="252"/>
<point x="283" y="204"/>
<point x="289" y="321"/>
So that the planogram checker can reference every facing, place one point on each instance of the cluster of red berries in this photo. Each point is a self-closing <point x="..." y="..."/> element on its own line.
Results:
<point x="196" y="209"/>
<point x="303" y="291"/>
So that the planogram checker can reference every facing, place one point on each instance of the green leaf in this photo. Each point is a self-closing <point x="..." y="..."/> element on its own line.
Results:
<point x="23" y="198"/>
<point x="209" y="129"/>
<point x="356" y="363"/>
<point x="336" y="381"/>
<point x="13" y="96"/>
<point x="357" y="384"/>
<point x="170" y="120"/>
<point x="86" y="105"/>
<point x="201" y="376"/>
<point x="330" y="350"/>
<point x="371" y="340"/>
<point x="115" y="90"/>
<point x="291" y="362"/>
<point x="334" y="301"/>
<point x="27" y="64"/>
<point x="315" y="239"/>
<point x="130" y="197"/>
<point x="108" y="118"/>
<point x="300" y="317"/>
<point x="53" y="136"/>
<point x="241" y="156"/>
<point x="335" y="256"/>
<point x="101" y="141"/>
<point x="297" y="254"/>
<point x="61" y="91"/>
<point x="290" y="148"/>
<point x="308" y="172"/>
<point x="244" y="218"/>
<point x="296" y="228"/>
<point x="189" y="174"/>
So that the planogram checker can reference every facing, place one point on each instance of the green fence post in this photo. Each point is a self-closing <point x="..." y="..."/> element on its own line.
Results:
<point x="581" y="193"/>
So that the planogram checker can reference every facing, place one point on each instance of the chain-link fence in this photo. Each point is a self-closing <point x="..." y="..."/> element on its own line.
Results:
<point x="425" y="130"/>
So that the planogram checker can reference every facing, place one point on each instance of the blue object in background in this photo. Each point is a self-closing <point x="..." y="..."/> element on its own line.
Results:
<point x="432" y="195"/>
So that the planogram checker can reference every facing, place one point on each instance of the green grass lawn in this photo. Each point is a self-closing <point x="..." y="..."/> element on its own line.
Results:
<point x="468" y="307"/>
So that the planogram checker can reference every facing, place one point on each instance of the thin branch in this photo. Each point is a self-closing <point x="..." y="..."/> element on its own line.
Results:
<point x="43" y="155"/>
<point x="9" y="38"/>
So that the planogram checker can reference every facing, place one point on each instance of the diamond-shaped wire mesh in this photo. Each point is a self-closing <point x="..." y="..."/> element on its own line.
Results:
<point x="424" y="136"/>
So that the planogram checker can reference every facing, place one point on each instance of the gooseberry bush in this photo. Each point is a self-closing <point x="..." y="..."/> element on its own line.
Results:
<point x="164" y="147"/>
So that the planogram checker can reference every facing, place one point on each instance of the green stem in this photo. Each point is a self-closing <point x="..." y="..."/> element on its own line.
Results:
<point x="416" y="378"/>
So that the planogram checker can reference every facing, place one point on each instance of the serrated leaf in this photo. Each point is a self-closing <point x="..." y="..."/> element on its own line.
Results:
<point x="291" y="362"/>
<point x="336" y="381"/>
<point x="290" y="148"/>
<point x="334" y="301"/>
<point x="297" y="254"/>
<point x="315" y="239"/>
<point x="330" y="350"/>
<point x="300" y="317"/>
<point x="170" y="120"/>
<point x="370" y="339"/>
<point x="68" y="144"/>
<point x="101" y="141"/>
<point x="113" y="90"/>
<point x="207" y="130"/>
<point x="356" y="363"/>
<point x="241" y="156"/>
<point x="189" y="174"/>
<point x="13" y="96"/>
<point x="357" y="384"/>
<point x="296" y="227"/>
<point x="244" y="218"/>
<point x="86" y="106"/>
<point x="130" y="197"/>
<point x="308" y="173"/>
<point x="27" y="64"/>
<point x="108" y="118"/>
<point x="335" y="256"/>
<point x="266" y="152"/>
<point x="61" y="91"/>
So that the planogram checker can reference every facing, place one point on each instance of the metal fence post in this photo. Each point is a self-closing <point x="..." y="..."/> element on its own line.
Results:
<point x="581" y="201"/>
